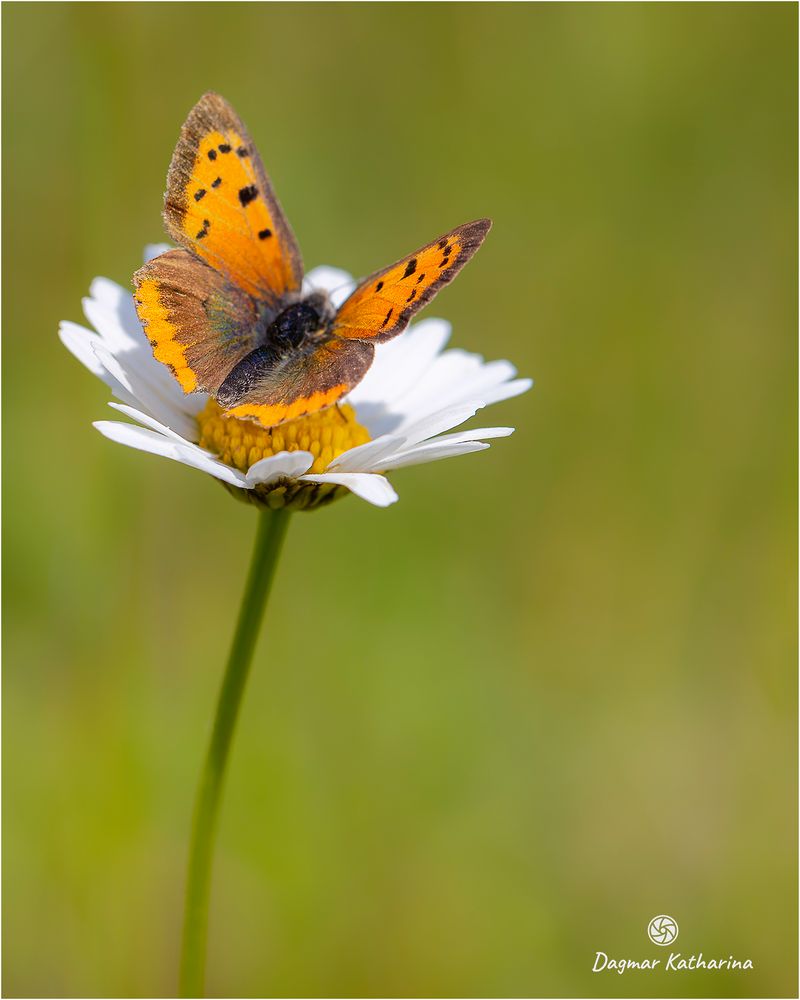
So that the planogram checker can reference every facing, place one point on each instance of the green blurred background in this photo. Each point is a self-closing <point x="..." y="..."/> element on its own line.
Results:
<point x="548" y="695"/>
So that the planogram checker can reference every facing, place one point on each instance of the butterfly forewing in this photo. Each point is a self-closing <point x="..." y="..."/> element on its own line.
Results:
<point x="383" y="304"/>
<point x="221" y="206"/>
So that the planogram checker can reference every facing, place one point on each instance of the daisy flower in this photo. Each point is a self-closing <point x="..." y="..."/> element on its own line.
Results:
<point x="403" y="412"/>
<point x="398" y="415"/>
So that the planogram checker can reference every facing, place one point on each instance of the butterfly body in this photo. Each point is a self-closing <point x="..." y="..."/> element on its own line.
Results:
<point x="226" y="313"/>
<point x="297" y="331"/>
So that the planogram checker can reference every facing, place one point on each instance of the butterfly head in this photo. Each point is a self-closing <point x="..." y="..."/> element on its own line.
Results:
<point x="300" y="323"/>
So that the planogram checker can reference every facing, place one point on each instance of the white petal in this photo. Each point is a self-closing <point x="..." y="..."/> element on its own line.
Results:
<point x="474" y="434"/>
<point x="158" y="444"/>
<point x="81" y="342"/>
<point x="457" y="377"/>
<point x="375" y="454"/>
<point x="378" y="417"/>
<point x="507" y="390"/>
<point x="107" y="292"/>
<point x="436" y="447"/>
<point x="152" y="250"/>
<point x="148" y="395"/>
<point x="401" y="362"/>
<point x="444" y="383"/>
<point x="478" y="377"/>
<point x="365" y="457"/>
<point x="333" y="280"/>
<point x="441" y="420"/>
<point x="367" y="485"/>
<point x="153" y="424"/>
<point x="138" y="437"/>
<point x="284" y="465"/>
<point x="111" y="311"/>
<point x="109" y="308"/>
<point x="431" y="453"/>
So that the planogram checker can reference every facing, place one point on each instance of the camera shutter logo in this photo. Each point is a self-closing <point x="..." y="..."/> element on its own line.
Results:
<point x="662" y="930"/>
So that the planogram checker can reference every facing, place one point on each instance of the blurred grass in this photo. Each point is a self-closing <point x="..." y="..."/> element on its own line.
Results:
<point x="552" y="692"/>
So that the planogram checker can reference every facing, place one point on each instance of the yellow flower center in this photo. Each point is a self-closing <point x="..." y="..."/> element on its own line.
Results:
<point x="241" y="443"/>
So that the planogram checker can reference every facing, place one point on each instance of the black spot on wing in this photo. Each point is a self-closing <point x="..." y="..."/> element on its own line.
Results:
<point x="224" y="147"/>
<point x="212" y="154"/>
<point x="242" y="151"/>
<point x="216" y="183"/>
<point x="248" y="194"/>
<point x="412" y="296"/>
<point x="200" y="193"/>
<point x="379" y="286"/>
<point x="204" y="231"/>
<point x="387" y="318"/>
<point x="411" y="267"/>
<point x="265" y="234"/>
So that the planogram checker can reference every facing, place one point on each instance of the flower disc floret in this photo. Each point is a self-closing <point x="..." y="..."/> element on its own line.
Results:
<point x="241" y="443"/>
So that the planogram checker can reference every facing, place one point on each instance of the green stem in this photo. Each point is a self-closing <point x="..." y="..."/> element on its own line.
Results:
<point x="271" y="530"/>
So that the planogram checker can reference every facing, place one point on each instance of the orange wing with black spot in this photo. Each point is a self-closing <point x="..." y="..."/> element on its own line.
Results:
<point x="383" y="304"/>
<point x="221" y="206"/>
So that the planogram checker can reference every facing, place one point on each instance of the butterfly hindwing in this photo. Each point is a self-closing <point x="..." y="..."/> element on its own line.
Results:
<point x="280" y="389"/>
<point x="199" y="324"/>
<point x="221" y="206"/>
<point x="383" y="304"/>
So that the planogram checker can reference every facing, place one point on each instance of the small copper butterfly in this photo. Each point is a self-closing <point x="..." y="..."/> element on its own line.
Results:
<point x="226" y="312"/>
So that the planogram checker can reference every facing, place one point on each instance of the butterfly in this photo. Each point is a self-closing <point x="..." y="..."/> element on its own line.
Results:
<point x="226" y="311"/>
